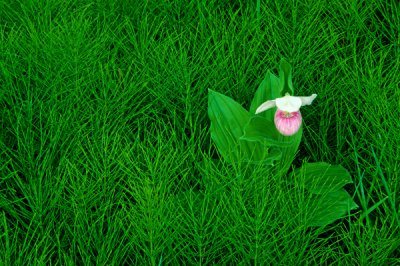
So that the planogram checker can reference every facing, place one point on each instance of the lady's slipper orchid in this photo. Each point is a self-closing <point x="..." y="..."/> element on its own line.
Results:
<point x="287" y="117"/>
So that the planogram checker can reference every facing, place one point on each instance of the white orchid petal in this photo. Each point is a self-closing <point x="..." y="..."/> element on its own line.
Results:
<point x="307" y="100"/>
<point x="288" y="103"/>
<point x="265" y="106"/>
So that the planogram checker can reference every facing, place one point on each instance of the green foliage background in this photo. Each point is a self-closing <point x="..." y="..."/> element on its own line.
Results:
<point x="105" y="150"/>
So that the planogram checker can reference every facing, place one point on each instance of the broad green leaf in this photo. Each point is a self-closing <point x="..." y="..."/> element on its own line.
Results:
<point x="260" y="152"/>
<point x="285" y="76"/>
<point x="268" y="90"/>
<point x="228" y="120"/>
<point x="263" y="130"/>
<point x="327" y="208"/>
<point x="288" y="152"/>
<point x="320" y="178"/>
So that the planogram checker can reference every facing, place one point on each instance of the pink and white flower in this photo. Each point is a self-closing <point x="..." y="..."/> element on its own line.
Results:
<point x="287" y="117"/>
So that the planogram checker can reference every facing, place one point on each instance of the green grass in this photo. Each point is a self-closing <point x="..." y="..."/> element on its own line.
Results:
<point x="105" y="150"/>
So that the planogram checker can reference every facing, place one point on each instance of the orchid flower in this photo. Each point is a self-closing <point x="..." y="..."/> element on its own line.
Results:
<point x="287" y="117"/>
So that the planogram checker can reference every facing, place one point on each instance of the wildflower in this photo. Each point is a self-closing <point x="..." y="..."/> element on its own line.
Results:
<point x="287" y="117"/>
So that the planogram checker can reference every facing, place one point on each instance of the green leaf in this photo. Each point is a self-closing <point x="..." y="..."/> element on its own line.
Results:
<point x="328" y="200"/>
<point x="327" y="208"/>
<point x="261" y="152"/>
<point x="262" y="130"/>
<point x="268" y="90"/>
<point x="228" y="120"/>
<point x="320" y="178"/>
<point x="288" y="152"/>
<point x="285" y="75"/>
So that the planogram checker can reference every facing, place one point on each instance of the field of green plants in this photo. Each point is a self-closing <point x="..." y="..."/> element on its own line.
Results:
<point x="106" y="155"/>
